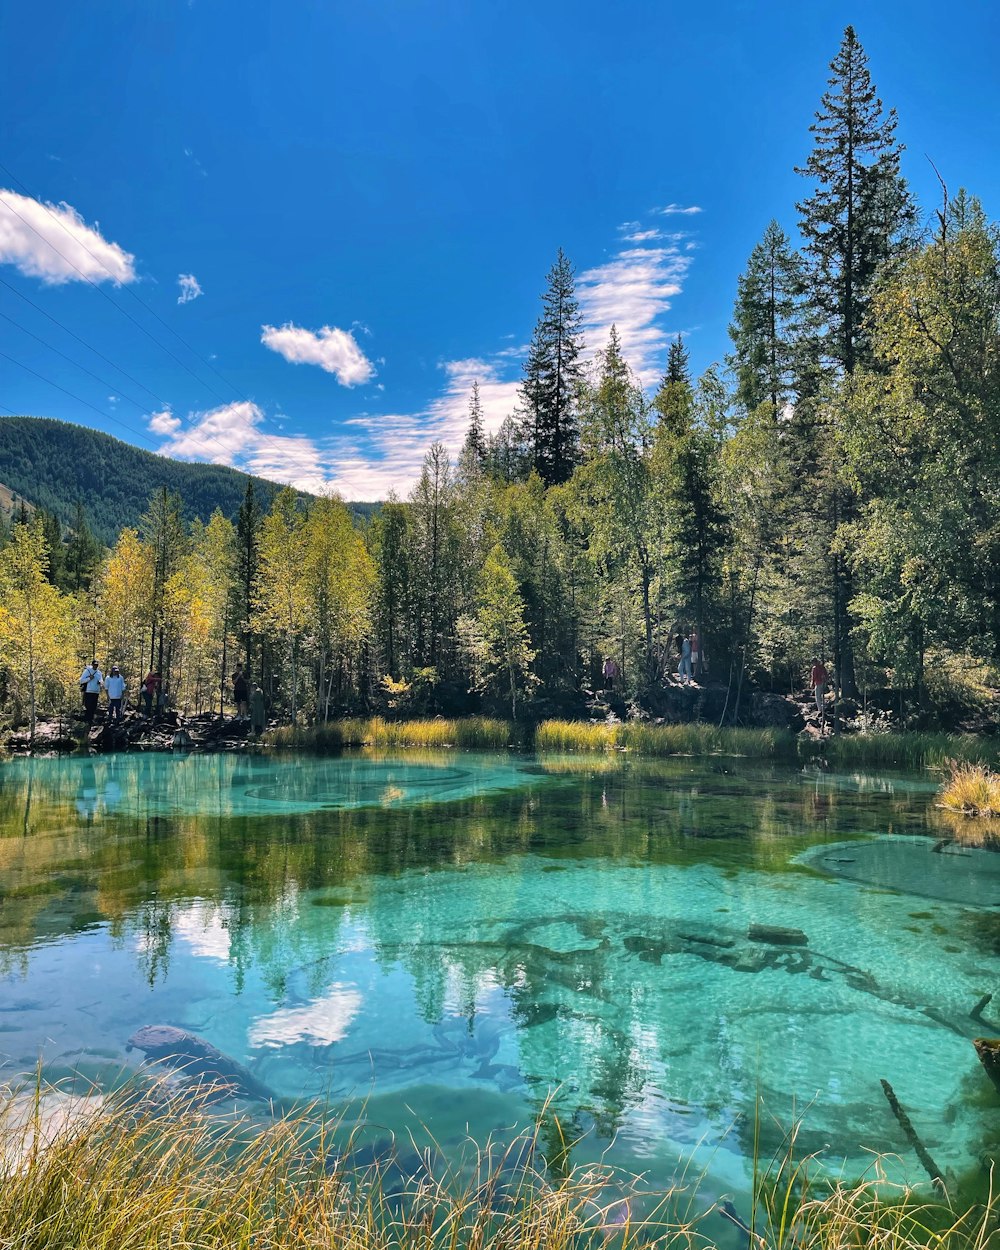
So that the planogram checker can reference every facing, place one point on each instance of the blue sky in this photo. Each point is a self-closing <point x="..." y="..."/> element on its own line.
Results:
<point x="346" y="211"/>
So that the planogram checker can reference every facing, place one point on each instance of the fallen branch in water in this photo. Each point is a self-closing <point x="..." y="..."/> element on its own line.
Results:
<point x="977" y="1012"/>
<point x="931" y="1168"/>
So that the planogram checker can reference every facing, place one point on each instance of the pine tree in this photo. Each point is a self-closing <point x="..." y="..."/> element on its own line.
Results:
<point x="247" y="565"/>
<point x="474" y="447"/>
<point x="860" y="213"/>
<point x="676" y="395"/>
<point x="83" y="552"/>
<point x="766" y="325"/>
<point x="552" y="375"/>
<point x="678" y="365"/>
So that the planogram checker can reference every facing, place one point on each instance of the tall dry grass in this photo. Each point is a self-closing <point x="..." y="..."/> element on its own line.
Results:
<point x="662" y="740"/>
<point x="131" y="1175"/>
<point x="473" y="733"/>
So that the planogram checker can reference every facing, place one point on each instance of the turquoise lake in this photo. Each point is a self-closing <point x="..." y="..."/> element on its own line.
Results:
<point x="455" y="940"/>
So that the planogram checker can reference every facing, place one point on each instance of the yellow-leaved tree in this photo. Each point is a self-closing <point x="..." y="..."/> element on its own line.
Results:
<point x="339" y="577"/>
<point x="282" y="603"/>
<point x="124" y="587"/>
<point x="37" y="639"/>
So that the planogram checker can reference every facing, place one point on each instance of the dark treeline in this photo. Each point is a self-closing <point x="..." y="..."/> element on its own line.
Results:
<point x="832" y="488"/>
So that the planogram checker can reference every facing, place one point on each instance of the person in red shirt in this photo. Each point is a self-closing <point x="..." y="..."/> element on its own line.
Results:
<point x="150" y="687"/>
<point x="818" y="679"/>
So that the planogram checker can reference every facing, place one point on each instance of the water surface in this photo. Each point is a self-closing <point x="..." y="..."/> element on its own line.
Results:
<point x="457" y="939"/>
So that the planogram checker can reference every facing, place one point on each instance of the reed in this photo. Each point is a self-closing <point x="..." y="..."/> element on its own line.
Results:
<point x="136" y="1175"/>
<point x="662" y="740"/>
<point x="973" y="790"/>
<point x="908" y="750"/>
<point x="472" y="733"/>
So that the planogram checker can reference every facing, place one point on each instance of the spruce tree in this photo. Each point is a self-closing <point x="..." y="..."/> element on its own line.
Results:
<point x="766" y="326"/>
<point x="675" y="397"/>
<point x="552" y="375"/>
<point x="83" y="552"/>
<point x="861" y="212"/>
<point x="248" y="525"/>
<point x="475" y="439"/>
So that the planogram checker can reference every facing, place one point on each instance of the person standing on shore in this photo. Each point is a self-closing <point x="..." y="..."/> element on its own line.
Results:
<point x="150" y="687"/>
<point x="241" y="693"/>
<point x="684" y="667"/>
<point x="115" y="687"/>
<point x="818" y="679"/>
<point x="258" y="711"/>
<point x="91" y="681"/>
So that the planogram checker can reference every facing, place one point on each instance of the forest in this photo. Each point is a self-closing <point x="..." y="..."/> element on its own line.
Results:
<point x="831" y="489"/>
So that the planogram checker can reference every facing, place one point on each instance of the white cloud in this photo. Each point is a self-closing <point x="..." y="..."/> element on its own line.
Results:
<point x="190" y="288"/>
<point x="670" y="210"/>
<point x="374" y="453"/>
<point x="632" y="291"/>
<point x="320" y="1023"/>
<point x="164" y="422"/>
<point x="334" y="350"/>
<point x="52" y="242"/>
<point x="643" y="236"/>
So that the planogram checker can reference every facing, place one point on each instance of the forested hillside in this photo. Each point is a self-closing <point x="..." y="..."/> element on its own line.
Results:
<point x="56" y="466"/>
<point x="830" y="489"/>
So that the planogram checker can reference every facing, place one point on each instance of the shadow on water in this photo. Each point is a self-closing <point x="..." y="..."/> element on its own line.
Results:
<point x="450" y="938"/>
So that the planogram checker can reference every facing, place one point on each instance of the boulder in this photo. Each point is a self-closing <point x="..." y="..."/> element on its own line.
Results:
<point x="774" y="711"/>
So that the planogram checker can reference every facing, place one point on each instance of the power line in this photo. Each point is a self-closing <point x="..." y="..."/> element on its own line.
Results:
<point x="83" y="342"/>
<point x="86" y="403"/>
<point x="115" y="304"/>
<point x="200" y="440"/>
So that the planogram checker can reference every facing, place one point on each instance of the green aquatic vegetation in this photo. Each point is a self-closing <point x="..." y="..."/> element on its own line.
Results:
<point x="907" y="750"/>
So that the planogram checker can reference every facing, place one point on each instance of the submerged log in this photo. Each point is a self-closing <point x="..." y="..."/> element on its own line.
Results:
<point x="930" y="1167"/>
<point x="776" y="935"/>
<point x="977" y="1012"/>
<point x="988" y="1050"/>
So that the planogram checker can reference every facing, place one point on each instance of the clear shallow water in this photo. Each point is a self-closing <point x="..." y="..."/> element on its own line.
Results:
<point x="453" y="937"/>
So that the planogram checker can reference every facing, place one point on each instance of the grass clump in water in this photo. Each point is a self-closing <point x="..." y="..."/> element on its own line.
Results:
<point x="973" y="790"/>
<point x="694" y="738"/>
<point x="907" y="750"/>
<point x="474" y="733"/>
<point x="135" y="1175"/>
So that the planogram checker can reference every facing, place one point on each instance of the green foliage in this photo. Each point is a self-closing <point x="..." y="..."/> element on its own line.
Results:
<point x="552" y="375"/>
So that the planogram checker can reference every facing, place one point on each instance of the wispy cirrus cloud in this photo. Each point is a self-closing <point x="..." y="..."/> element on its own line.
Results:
<point x="190" y="288"/>
<point x="53" y="242"/>
<point x="375" y="453"/>
<point x="684" y="210"/>
<point x="632" y="291"/>
<point x="336" y="351"/>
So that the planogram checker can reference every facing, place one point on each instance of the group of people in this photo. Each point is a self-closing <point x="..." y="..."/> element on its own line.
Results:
<point x="153" y="691"/>
<point x="250" y="703"/>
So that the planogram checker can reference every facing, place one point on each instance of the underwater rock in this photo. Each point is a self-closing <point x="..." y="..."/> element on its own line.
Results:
<point x="776" y="935"/>
<point x="988" y="1050"/>
<point x="198" y="1061"/>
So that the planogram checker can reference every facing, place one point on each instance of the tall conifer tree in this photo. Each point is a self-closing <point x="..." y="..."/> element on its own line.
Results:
<point x="765" y="329"/>
<point x="860" y="212"/>
<point x="552" y="375"/>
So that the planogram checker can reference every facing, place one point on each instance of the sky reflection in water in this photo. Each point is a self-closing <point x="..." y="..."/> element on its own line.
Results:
<point x="452" y="937"/>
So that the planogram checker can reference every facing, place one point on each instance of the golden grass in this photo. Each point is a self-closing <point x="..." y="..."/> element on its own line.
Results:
<point x="662" y="740"/>
<point x="973" y="790"/>
<point x="473" y="733"/>
<point x="141" y="1175"/>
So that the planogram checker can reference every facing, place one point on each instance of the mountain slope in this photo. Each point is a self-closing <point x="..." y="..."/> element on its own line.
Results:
<point x="53" y="465"/>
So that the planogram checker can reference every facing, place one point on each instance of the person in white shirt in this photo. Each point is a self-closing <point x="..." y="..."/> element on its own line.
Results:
<point x="115" y="686"/>
<point x="91" y="681"/>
